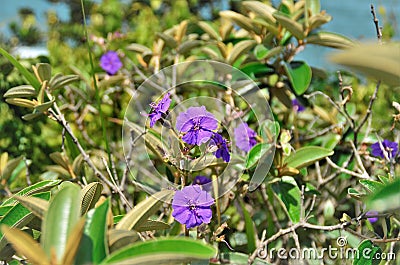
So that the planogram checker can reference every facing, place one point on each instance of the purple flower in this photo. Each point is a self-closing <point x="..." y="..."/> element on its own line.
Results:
<point x="159" y="109"/>
<point x="222" y="151"/>
<point x="245" y="137"/>
<point x="197" y="124"/>
<point x="390" y="147"/>
<point x="110" y="62"/>
<point x="192" y="206"/>
<point x="297" y="106"/>
<point x="204" y="182"/>
<point x="372" y="219"/>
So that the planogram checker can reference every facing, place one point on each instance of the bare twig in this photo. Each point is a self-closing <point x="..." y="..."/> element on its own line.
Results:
<point x="376" y="22"/>
<point x="344" y="170"/>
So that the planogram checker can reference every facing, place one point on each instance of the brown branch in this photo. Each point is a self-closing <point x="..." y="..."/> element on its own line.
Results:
<point x="376" y="22"/>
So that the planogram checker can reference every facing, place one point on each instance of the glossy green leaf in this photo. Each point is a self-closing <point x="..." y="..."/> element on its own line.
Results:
<point x="290" y="195"/>
<point x="249" y="226"/>
<point x="386" y="198"/>
<point x="368" y="254"/>
<point x="28" y="75"/>
<point x="21" y="102"/>
<point x="256" y="153"/>
<point x="19" y="216"/>
<point x="4" y="209"/>
<point x="90" y="194"/>
<point x="93" y="247"/>
<point x="138" y="215"/>
<point x="168" y="250"/>
<point x="59" y="220"/>
<point x="35" y="188"/>
<point x="382" y="62"/>
<point x="306" y="156"/>
<point x="299" y="74"/>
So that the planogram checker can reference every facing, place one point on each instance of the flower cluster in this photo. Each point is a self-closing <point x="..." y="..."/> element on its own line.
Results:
<point x="192" y="205"/>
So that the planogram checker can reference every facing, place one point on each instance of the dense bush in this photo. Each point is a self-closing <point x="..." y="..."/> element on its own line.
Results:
<point x="231" y="148"/>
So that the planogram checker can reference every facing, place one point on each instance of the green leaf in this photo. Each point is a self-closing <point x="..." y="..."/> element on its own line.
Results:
<point x="263" y="10"/>
<point x="330" y="39"/>
<point x="59" y="220"/>
<point x="144" y="210"/>
<point x="35" y="188"/>
<point x="291" y="25"/>
<point x="240" y="20"/>
<point x="386" y="198"/>
<point x="256" y="153"/>
<point x="260" y="51"/>
<point x="382" y="62"/>
<point x="59" y="81"/>
<point x="290" y="195"/>
<point x="240" y="258"/>
<point x="169" y="40"/>
<point x="241" y="48"/>
<point x="10" y="167"/>
<point x="93" y="247"/>
<point x="314" y="6"/>
<point x="36" y="205"/>
<point x="371" y="185"/>
<point x="29" y="76"/>
<point x="367" y="254"/>
<point x="299" y="74"/>
<point x="25" y="245"/>
<point x="118" y="239"/>
<point x="90" y="194"/>
<point x="306" y="156"/>
<point x="19" y="216"/>
<point x="249" y="226"/>
<point x="43" y="71"/>
<point x="152" y="225"/>
<point x="172" y="250"/>
<point x="209" y="30"/>
<point x="23" y="91"/>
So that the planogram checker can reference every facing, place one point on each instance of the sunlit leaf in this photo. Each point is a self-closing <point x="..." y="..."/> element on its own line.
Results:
<point x="23" y="91"/>
<point x="90" y="194"/>
<point x="368" y="252"/>
<point x="381" y="62"/>
<point x="60" y="218"/>
<point x="25" y="245"/>
<point x="291" y="25"/>
<point x="170" y="250"/>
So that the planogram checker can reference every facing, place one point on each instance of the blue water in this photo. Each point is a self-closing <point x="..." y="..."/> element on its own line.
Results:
<point x="351" y="18"/>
